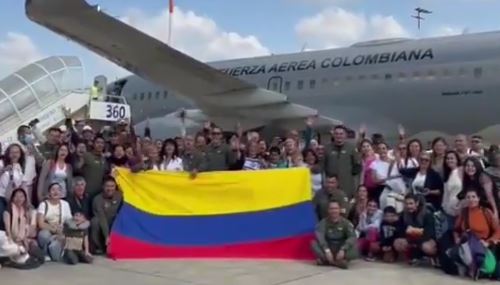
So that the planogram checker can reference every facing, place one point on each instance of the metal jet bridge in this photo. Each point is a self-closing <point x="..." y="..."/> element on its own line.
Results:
<point x="39" y="91"/>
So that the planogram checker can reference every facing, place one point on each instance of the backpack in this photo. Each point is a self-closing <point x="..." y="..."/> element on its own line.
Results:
<point x="470" y="254"/>
<point x="445" y="243"/>
<point x="440" y="224"/>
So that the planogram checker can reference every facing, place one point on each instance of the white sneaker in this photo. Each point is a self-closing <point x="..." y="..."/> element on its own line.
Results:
<point x="47" y="258"/>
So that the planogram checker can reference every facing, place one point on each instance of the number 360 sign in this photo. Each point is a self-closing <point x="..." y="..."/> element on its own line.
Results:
<point x="106" y="111"/>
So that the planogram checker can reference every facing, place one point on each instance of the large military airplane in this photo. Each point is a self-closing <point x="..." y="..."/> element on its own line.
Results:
<point x="449" y="84"/>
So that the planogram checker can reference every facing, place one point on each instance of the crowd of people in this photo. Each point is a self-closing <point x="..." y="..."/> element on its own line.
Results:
<point x="59" y="199"/>
<point x="436" y="206"/>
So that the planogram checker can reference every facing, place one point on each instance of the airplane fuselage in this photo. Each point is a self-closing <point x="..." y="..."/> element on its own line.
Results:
<point x="449" y="85"/>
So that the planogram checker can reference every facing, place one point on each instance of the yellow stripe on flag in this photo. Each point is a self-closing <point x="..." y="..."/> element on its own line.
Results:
<point x="215" y="193"/>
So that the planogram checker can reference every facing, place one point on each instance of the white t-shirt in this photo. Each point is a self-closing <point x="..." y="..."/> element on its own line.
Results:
<point x="381" y="168"/>
<point x="252" y="164"/>
<point x="173" y="165"/>
<point x="419" y="182"/>
<point x="6" y="185"/>
<point x="55" y="214"/>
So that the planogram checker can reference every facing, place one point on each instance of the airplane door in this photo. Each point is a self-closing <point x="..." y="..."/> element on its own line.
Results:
<point x="275" y="83"/>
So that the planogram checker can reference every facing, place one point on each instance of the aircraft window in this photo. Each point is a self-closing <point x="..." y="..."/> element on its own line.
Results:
<point x="287" y="85"/>
<point x="478" y="72"/>
<point x="157" y="95"/>
<point x="135" y="96"/>
<point x="388" y="76"/>
<point x="165" y="94"/>
<point x="300" y="84"/>
<point x="416" y="75"/>
<point x="446" y="73"/>
<point x="462" y="71"/>
<point x="431" y="75"/>
<point x="312" y="84"/>
<point x="375" y="77"/>
<point x="150" y="95"/>
<point x="142" y="96"/>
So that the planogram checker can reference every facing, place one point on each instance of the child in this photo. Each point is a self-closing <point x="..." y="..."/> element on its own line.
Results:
<point x="76" y="248"/>
<point x="368" y="228"/>
<point x="388" y="233"/>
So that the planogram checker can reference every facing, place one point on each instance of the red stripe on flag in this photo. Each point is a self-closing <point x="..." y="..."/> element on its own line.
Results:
<point x="291" y="248"/>
<point x="171" y="6"/>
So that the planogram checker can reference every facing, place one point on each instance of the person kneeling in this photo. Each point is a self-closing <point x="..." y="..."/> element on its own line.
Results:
<point x="416" y="235"/>
<point x="335" y="242"/>
<point x="368" y="228"/>
<point x="76" y="247"/>
<point x="388" y="232"/>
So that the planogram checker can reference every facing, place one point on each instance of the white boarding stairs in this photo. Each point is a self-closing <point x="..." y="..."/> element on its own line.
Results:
<point x="49" y="115"/>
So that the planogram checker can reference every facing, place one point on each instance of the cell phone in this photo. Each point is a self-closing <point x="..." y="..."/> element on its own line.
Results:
<point x="34" y="122"/>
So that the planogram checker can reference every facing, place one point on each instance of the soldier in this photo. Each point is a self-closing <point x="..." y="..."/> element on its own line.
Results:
<point x="330" y="192"/>
<point x="341" y="159"/>
<point x="335" y="242"/>
<point x="105" y="208"/>
<point x="95" y="167"/>
<point x="219" y="156"/>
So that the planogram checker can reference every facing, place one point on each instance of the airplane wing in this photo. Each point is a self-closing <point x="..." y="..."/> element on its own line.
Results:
<point x="215" y="93"/>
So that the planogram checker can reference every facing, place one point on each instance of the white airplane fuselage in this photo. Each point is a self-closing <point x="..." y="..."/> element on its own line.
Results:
<point x="449" y="85"/>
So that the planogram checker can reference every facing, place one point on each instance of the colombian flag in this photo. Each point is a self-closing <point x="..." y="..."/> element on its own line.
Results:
<point x="242" y="214"/>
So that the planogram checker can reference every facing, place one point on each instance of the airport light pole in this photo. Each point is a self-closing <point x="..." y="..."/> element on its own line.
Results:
<point x="419" y="17"/>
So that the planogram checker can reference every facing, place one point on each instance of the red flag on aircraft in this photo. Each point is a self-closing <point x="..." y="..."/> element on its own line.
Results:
<point x="171" y="6"/>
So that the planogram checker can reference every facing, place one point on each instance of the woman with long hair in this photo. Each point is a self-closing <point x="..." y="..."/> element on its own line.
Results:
<point x="453" y="175"/>
<point x="169" y="155"/>
<point x="413" y="149"/>
<point x="475" y="178"/>
<point x="358" y="205"/>
<point x="51" y="216"/>
<point x="11" y="175"/>
<point x="425" y="181"/>
<point x="439" y="147"/>
<point x="20" y="223"/>
<point x="368" y="157"/>
<point x="56" y="170"/>
<point x="119" y="157"/>
<point x="386" y="174"/>
<point x="312" y="161"/>
<point x="478" y="219"/>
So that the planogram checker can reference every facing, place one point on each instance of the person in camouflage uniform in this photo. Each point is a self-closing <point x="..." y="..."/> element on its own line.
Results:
<point x="335" y="242"/>
<point x="342" y="160"/>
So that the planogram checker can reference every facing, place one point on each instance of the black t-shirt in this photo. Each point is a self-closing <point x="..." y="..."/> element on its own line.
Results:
<point x="388" y="232"/>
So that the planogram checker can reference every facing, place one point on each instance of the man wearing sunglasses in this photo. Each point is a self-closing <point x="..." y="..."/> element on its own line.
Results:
<point x="219" y="156"/>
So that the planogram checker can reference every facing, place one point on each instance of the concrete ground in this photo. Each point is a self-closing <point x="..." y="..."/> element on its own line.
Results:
<point x="109" y="272"/>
